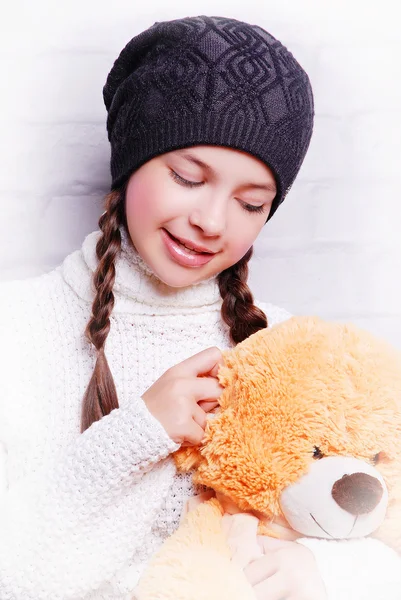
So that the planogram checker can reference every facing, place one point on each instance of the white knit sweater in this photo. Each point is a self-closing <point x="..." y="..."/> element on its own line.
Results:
<point x="80" y="515"/>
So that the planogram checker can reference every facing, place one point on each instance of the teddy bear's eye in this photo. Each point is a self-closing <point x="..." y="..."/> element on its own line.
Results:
<point x="376" y="458"/>
<point x="379" y="458"/>
<point x="317" y="453"/>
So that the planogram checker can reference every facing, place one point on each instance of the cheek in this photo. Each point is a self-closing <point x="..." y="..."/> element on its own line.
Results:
<point x="150" y="201"/>
<point x="238" y="248"/>
<point x="249" y="230"/>
<point x="141" y="205"/>
<point x="138" y="210"/>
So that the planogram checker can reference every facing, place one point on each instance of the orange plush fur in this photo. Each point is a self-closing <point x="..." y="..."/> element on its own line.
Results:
<point x="303" y="384"/>
<point x="293" y="394"/>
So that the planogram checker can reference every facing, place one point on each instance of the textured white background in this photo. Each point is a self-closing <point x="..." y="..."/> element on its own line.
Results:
<point x="333" y="248"/>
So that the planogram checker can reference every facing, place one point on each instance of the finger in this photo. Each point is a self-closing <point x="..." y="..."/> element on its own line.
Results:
<point x="215" y="370"/>
<point x="260" y="569"/>
<point x="272" y="588"/>
<point x="202" y="363"/>
<point x="207" y="405"/>
<point x="199" y="416"/>
<point x="194" y="435"/>
<point x="205" y="388"/>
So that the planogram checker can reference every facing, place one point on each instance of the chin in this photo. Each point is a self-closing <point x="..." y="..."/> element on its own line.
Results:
<point x="176" y="276"/>
<point x="181" y="280"/>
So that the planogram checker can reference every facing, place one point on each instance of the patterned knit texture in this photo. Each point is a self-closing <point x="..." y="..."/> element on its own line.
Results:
<point x="81" y="514"/>
<point x="208" y="80"/>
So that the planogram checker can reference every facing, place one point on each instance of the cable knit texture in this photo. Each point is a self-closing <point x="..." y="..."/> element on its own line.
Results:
<point x="210" y="80"/>
<point x="80" y="514"/>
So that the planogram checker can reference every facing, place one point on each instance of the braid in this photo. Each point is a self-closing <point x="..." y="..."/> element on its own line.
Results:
<point x="101" y="397"/>
<point x="238" y="309"/>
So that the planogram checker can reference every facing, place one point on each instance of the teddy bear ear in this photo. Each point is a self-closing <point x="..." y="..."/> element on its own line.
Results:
<point x="226" y="376"/>
<point x="187" y="459"/>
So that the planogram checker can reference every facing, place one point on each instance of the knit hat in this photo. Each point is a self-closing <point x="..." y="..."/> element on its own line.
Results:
<point x="208" y="80"/>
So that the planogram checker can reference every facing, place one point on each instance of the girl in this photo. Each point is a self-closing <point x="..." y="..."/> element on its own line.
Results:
<point x="209" y="120"/>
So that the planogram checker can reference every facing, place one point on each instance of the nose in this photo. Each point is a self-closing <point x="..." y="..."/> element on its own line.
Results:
<point x="210" y="216"/>
<point x="358" y="493"/>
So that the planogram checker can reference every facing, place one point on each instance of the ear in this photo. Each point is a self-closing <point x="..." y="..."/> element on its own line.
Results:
<point x="187" y="459"/>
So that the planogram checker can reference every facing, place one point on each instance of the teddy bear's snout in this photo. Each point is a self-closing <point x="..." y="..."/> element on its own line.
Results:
<point x="358" y="493"/>
<point x="339" y="497"/>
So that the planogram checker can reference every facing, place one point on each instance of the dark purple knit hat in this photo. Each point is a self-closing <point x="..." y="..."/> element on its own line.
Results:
<point x="208" y="80"/>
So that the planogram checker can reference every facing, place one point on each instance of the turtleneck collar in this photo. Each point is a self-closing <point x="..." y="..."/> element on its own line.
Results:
<point x="136" y="288"/>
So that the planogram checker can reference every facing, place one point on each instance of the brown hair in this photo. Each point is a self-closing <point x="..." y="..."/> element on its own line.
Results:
<point x="238" y="309"/>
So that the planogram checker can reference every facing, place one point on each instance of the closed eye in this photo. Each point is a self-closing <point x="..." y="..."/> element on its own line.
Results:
<point x="250" y="208"/>
<point x="255" y="209"/>
<point x="183" y="181"/>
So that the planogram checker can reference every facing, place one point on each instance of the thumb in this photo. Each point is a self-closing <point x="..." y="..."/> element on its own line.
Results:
<point x="208" y="405"/>
<point x="215" y="369"/>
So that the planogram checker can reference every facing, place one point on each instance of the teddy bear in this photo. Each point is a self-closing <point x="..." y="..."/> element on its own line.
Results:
<point x="305" y="440"/>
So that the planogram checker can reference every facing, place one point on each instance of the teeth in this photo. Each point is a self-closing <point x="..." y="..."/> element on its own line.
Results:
<point x="189" y="250"/>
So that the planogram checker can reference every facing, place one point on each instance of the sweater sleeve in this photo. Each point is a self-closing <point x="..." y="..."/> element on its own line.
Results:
<point x="62" y="531"/>
<point x="358" y="569"/>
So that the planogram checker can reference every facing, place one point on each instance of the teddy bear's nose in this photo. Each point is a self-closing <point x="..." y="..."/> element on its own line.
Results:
<point x="358" y="493"/>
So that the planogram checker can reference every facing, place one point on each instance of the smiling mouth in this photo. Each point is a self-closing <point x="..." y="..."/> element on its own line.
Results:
<point x="191" y="246"/>
<point x="329" y="534"/>
<point x="318" y="524"/>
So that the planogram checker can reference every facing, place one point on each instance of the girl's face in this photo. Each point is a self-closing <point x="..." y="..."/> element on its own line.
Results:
<point x="211" y="198"/>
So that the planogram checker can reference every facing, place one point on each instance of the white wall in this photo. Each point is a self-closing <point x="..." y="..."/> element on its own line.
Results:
<point x="333" y="248"/>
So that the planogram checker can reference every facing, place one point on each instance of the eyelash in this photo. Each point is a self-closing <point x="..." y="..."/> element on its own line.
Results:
<point x="247" y="207"/>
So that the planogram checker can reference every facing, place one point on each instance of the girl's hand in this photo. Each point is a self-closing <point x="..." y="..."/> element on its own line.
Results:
<point x="183" y="395"/>
<point x="286" y="571"/>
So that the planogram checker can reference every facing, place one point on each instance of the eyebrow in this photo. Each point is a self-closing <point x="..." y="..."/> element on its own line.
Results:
<point x="197" y="161"/>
